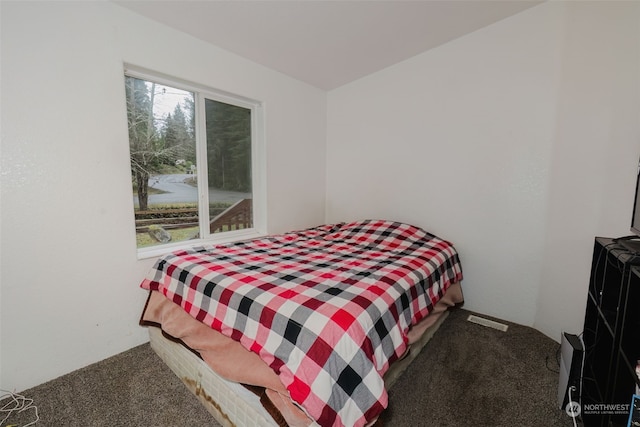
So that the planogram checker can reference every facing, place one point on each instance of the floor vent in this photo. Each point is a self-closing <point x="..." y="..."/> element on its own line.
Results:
<point x="486" y="322"/>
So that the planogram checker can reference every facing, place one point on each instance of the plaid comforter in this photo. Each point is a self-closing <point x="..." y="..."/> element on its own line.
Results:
<point x="328" y="308"/>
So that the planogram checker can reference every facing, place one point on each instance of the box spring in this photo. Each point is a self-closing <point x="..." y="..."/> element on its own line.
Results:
<point x="230" y="403"/>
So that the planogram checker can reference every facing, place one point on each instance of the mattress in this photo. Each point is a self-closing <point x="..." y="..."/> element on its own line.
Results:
<point x="319" y="315"/>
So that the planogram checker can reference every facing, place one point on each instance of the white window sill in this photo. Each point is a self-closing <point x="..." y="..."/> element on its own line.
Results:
<point x="228" y="237"/>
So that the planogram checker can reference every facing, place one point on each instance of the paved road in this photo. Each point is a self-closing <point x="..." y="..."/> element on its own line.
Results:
<point x="176" y="190"/>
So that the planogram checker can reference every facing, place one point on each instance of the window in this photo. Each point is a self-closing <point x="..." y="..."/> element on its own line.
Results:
<point x="195" y="163"/>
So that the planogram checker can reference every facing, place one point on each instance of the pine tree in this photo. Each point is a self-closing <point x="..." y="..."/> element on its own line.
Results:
<point x="178" y="136"/>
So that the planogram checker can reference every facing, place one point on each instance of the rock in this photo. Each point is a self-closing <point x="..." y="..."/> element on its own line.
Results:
<point x="159" y="234"/>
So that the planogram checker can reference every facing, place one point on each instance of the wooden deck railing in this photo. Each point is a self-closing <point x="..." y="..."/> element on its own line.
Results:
<point x="235" y="217"/>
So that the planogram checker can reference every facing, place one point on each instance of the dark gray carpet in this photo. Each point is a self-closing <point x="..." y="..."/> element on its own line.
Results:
<point x="472" y="375"/>
<point x="468" y="375"/>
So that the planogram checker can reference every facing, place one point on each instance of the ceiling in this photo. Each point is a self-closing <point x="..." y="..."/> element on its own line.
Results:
<point x="327" y="43"/>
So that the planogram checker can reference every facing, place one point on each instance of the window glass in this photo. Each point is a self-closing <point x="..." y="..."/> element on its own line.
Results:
<point x="191" y="173"/>
<point x="228" y="129"/>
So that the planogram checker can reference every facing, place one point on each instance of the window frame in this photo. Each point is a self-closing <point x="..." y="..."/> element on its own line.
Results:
<point x="258" y="162"/>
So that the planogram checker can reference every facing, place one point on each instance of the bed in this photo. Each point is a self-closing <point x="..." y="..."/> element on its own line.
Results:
<point x="310" y="322"/>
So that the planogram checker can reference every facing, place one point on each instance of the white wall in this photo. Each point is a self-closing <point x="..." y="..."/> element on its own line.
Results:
<point x="69" y="274"/>
<point x="595" y="153"/>
<point x="504" y="143"/>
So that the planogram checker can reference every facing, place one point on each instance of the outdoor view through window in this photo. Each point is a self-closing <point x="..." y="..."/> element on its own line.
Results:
<point x="176" y="161"/>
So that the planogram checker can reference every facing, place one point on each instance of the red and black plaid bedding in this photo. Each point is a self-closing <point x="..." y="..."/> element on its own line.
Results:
<point x="328" y="308"/>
